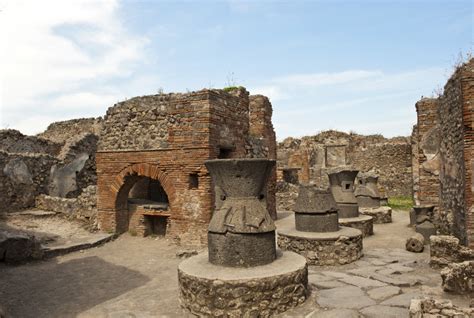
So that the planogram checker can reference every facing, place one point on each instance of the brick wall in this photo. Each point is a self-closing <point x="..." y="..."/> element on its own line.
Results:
<point x="168" y="138"/>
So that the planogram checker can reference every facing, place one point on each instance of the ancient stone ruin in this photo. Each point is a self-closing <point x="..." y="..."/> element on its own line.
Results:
<point x="341" y="182"/>
<point x="241" y="236"/>
<point x="316" y="233"/>
<point x="150" y="160"/>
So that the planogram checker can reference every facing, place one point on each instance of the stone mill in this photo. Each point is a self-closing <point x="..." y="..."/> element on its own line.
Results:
<point x="369" y="198"/>
<point x="243" y="270"/>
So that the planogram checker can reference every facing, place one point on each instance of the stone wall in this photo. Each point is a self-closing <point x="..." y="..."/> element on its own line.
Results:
<point x="429" y="307"/>
<point x="446" y="155"/>
<point x="167" y="138"/>
<point x="13" y="141"/>
<point x="314" y="155"/>
<point x="415" y="165"/>
<point x="84" y="207"/>
<point x="22" y="178"/>
<point x="62" y="131"/>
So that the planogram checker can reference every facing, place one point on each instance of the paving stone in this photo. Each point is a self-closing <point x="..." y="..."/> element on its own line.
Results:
<point x="391" y="280"/>
<point x="349" y="297"/>
<point x="335" y="274"/>
<point x="402" y="300"/>
<point x="317" y="278"/>
<point x="377" y="262"/>
<point x="334" y="313"/>
<point x="365" y="271"/>
<point x="383" y="292"/>
<point x="362" y="282"/>
<point x="328" y="284"/>
<point x="385" y="312"/>
<point x="362" y="263"/>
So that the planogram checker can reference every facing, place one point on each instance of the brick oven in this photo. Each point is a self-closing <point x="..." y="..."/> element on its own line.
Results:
<point x="150" y="160"/>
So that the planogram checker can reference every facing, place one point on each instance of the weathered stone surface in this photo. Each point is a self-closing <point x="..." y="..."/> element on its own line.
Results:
<point x="331" y="248"/>
<point x="415" y="243"/>
<point x="445" y="249"/>
<point x="380" y="215"/>
<point x="384" y="311"/>
<point x="459" y="277"/>
<point x="429" y="307"/>
<point x="334" y="313"/>
<point x="341" y="181"/>
<point x="241" y="231"/>
<point x="18" y="247"/>
<point x="349" y="297"/>
<point x="402" y="300"/>
<point x="427" y="229"/>
<point x="383" y="292"/>
<point x="362" y="282"/>
<point x="264" y="291"/>
<point x="328" y="284"/>
<point x="364" y="223"/>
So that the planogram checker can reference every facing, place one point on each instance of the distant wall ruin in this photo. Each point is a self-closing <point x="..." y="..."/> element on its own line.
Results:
<point x="314" y="155"/>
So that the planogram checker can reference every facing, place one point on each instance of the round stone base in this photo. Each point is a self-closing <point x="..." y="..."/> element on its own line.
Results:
<point x="382" y="214"/>
<point x="364" y="223"/>
<point x="263" y="291"/>
<point x="329" y="248"/>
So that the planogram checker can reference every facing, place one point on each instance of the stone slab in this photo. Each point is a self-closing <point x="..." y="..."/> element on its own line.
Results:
<point x="334" y="313"/>
<point x="328" y="284"/>
<point x="384" y="292"/>
<point x="402" y="300"/>
<point x="362" y="282"/>
<point x="349" y="297"/>
<point x="384" y="311"/>
<point x="291" y="231"/>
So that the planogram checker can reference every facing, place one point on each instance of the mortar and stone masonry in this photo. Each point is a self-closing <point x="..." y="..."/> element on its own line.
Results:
<point x="243" y="274"/>
<point x="316" y="233"/>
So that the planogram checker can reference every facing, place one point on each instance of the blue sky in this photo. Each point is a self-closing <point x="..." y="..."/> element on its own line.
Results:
<point x="347" y="65"/>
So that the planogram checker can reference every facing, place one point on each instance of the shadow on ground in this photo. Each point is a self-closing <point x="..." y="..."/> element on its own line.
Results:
<point x="65" y="289"/>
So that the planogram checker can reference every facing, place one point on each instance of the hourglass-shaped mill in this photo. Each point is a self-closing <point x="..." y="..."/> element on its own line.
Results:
<point x="316" y="233"/>
<point x="242" y="271"/>
<point x="341" y="182"/>
<point x="369" y="198"/>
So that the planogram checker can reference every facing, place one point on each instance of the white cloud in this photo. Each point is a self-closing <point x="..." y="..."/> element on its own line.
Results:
<point x="55" y="52"/>
<point x="365" y="101"/>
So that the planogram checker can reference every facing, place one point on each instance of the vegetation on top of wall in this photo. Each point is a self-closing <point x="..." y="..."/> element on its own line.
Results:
<point x="400" y="202"/>
<point x="231" y="88"/>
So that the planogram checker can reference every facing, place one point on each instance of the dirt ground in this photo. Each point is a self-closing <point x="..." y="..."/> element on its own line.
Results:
<point x="137" y="277"/>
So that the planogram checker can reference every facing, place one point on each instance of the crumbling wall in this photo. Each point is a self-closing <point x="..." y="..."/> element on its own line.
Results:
<point x="62" y="131"/>
<point x="13" y="141"/>
<point x="314" y="155"/>
<point x="415" y="168"/>
<point x="22" y="178"/>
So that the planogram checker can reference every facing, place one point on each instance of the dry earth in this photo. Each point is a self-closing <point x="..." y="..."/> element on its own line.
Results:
<point x="137" y="277"/>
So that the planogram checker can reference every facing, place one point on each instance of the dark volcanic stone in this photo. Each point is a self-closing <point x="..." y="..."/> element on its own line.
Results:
<point x="241" y="250"/>
<point x="327" y="222"/>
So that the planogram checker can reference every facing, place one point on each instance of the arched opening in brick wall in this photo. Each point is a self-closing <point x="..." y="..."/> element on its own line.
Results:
<point x="143" y="201"/>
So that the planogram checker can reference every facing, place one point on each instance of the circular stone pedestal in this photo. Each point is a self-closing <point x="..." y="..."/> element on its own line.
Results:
<point x="263" y="291"/>
<point x="329" y="248"/>
<point x="364" y="223"/>
<point x="382" y="214"/>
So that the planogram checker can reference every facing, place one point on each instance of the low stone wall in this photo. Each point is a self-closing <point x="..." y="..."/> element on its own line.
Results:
<point x="364" y="223"/>
<point x="445" y="249"/>
<point x="380" y="215"/>
<point x="429" y="307"/>
<point x="343" y="250"/>
<point x="459" y="277"/>
<point x="84" y="207"/>
<point x="215" y="291"/>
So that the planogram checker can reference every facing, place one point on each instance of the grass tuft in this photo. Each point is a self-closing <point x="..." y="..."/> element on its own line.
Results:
<point x="400" y="202"/>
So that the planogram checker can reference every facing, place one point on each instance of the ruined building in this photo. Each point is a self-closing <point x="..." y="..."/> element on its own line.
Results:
<point x="150" y="159"/>
<point x="443" y="164"/>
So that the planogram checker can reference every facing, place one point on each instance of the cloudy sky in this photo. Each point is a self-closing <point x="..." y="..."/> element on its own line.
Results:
<point x="347" y="65"/>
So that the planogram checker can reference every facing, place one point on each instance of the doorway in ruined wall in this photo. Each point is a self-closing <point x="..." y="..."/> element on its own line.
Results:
<point x="142" y="206"/>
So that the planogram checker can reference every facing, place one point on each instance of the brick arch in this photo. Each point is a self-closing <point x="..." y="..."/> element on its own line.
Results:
<point x="125" y="180"/>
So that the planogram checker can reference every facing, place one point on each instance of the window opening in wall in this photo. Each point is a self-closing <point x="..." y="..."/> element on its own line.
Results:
<point x="156" y="225"/>
<point x="347" y="186"/>
<point x="224" y="153"/>
<point x="193" y="181"/>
